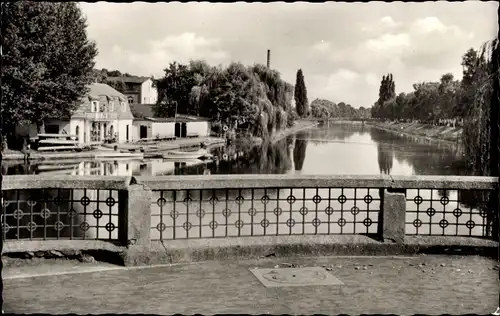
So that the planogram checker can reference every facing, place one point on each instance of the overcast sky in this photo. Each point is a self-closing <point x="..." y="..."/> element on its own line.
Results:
<point x="342" y="48"/>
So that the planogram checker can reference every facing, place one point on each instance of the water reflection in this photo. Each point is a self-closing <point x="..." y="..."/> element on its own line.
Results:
<point x="299" y="151"/>
<point x="385" y="155"/>
<point x="337" y="149"/>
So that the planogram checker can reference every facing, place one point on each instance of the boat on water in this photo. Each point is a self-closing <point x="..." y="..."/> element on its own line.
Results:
<point x="45" y="167"/>
<point x="177" y="154"/>
<point x="115" y="154"/>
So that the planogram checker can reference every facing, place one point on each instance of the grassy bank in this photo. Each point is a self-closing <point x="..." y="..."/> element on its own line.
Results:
<point x="444" y="133"/>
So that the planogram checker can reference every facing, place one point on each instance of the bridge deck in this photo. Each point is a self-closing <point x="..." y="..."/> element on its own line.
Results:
<point x="401" y="285"/>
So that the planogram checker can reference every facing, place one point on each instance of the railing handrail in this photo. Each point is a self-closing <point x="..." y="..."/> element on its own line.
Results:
<point x="19" y="182"/>
<point x="14" y="182"/>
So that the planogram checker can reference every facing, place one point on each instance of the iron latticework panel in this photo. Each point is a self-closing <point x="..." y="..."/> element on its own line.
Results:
<point x="42" y="214"/>
<point x="447" y="212"/>
<point x="182" y="214"/>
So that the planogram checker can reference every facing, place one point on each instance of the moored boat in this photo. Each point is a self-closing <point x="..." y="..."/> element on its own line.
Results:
<point x="114" y="154"/>
<point x="177" y="154"/>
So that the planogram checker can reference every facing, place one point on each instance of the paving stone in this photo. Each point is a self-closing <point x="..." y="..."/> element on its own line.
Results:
<point x="391" y="286"/>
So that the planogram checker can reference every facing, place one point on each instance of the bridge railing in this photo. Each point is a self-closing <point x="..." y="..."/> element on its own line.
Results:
<point x="39" y="211"/>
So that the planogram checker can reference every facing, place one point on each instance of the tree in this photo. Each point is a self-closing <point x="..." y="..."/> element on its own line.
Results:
<point x="173" y="91"/>
<point x="47" y="63"/>
<point x="387" y="91"/>
<point x="448" y="91"/>
<point x="301" y="102"/>
<point x="251" y="99"/>
<point x="470" y="62"/>
<point x="114" y="73"/>
<point x="99" y="76"/>
<point x="476" y="133"/>
<point x="323" y="109"/>
<point x="119" y="84"/>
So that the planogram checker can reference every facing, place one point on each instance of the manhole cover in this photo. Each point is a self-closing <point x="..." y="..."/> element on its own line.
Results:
<point x="295" y="277"/>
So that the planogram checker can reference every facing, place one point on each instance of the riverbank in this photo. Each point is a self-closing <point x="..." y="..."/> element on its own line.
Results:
<point x="170" y="145"/>
<point x="442" y="133"/>
<point x="152" y="147"/>
<point x="297" y="127"/>
<point x="177" y="144"/>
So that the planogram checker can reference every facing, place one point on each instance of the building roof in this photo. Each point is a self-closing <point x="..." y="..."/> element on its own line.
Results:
<point x="141" y="111"/>
<point x="192" y="117"/>
<point x="97" y="90"/>
<point x="127" y="79"/>
<point x="145" y="112"/>
<point x="180" y="118"/>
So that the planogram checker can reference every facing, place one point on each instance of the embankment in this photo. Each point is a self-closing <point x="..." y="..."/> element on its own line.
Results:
<point x="170" y="145"/>
<point x="443" y="133"/>
<point x="297" y="127"/>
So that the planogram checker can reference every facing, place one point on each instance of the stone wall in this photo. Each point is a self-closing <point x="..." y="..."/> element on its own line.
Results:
<point x="168" y="218"/>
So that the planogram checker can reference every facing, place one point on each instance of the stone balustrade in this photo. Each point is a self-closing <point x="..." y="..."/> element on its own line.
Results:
<point x="135" y="215"/>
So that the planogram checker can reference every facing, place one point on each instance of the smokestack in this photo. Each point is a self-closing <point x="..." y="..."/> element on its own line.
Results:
<point x="268" y="58"/>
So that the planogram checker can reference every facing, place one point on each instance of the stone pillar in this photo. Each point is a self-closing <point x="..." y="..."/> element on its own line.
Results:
<point x="136" y="223"/>
<point x="393" y="215"/>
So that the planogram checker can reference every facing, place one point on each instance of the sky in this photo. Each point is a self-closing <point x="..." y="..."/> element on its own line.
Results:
<point x="343" y="49"/>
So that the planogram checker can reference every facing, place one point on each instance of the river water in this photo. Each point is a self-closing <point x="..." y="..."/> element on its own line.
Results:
<point x="337" y="149"/>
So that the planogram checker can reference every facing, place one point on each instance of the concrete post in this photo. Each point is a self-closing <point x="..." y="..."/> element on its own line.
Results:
<point x="394" y="215"/>
<point x="136" y="220"/>
<point x="139" y="215"/>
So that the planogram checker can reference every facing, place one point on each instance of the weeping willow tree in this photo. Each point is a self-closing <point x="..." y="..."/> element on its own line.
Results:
<point x="252" y="99"/>
<point x="476" y="134"/>
<point x="480" y="148"/>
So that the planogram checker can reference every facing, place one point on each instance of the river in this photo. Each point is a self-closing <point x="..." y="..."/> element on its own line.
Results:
<point x="337" y="149"/>
<point x="353" y="149"/>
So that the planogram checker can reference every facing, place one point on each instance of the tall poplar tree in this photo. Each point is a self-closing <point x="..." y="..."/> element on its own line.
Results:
<point x="301" y="102"/>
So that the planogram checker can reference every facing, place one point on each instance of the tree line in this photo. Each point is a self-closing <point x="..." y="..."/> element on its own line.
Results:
<point x="324" y="109"/>
<point x="252" y="100"/>
<point x="458" y="103"/>
<point x="435" y="102"/>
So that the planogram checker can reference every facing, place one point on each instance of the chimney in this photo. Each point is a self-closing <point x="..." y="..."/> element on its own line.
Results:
<point x="268" y="58"/>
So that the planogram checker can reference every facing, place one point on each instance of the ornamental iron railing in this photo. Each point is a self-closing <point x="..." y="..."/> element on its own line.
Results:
<point x="60" y="214"/>
<point x="211" y="213"/>
<point x="145" y="209"/>
<point x="447" y="212"/>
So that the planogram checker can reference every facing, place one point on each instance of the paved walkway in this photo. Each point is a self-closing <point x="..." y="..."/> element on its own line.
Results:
<point x="400" y="285"/>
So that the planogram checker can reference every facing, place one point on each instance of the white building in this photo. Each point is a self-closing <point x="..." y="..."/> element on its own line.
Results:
<point x="137" y="89"/>
<point x="145" y="125"/>
<point x="102" y="113"/>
